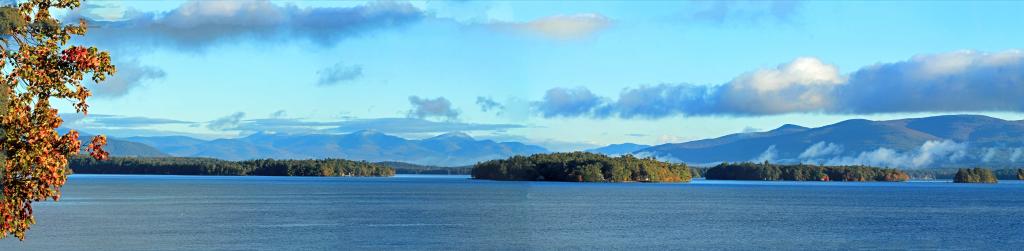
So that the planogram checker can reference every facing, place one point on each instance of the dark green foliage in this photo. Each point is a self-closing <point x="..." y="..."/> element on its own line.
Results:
<point x="974" y="175"/>
<point x="408" y="168"/>
<point x="207" y="166"/>
<point x="802" y="172"/>
<point x="950" y="173"/>
<point x="157" y="165"/>
<point x="319" y="167"/>
<point x="581" y="167"/>
<point x="1020" y="174"/>
<point x="697" y="172"/>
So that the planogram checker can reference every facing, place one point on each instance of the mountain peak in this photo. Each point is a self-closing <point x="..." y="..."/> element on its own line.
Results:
<point x="789" y="127"/>
<point x="454" y="135"/>
<point x="618" y="149"/>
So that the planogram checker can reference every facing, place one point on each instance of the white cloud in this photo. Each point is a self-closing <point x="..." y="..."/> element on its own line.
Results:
<point x="821" y="149"/>
<point x="338" y="73"/>
<point x="988" y="154"/>
<point x="663" y="157"/>
<point x="962" y="81"/>
<point x="769" y="154"/>
<point x="130" y="74"/>
<point x="197" y="24"/>
<point x="436" y="107"/>
<point x="561" y="27"/>
<point x="1017" y="155"/>
<point x="279" y="114"/>
<point x="929" y="153"/>
<point x="229" y="122"/>
<point x="801" y="85"/>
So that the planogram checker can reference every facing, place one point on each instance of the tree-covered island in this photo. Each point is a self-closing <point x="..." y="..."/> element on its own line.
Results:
<point x="581" y="167"/>
<point x="802" y="172"/>
<point x="975" y="175"/>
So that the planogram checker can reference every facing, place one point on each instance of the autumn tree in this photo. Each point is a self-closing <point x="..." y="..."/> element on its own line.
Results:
<point x="39" y="66"/>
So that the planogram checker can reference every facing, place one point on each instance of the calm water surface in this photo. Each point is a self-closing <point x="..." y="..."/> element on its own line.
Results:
<point x="125" y="212"/>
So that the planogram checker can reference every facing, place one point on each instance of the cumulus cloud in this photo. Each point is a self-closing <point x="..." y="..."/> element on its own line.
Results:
<point x="949" y="82"/>
<point x="568" y="102"/>
<point x="487" y="104"/>
<point x="929" y="153"/>
<point x="197" y="24"/>
<point x="963" y="81"/>
<point x="130" y="74"/>
<point x="560" y="27"/>
<point x="229" y="122"/>
<point x="821" y="149"/>
<point x="798" y="86"/>
<point x="436" y="107"/>
<point x="339" y="73"/>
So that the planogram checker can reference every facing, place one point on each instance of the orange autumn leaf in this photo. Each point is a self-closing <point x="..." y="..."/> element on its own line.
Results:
<point x="37" y="65"/>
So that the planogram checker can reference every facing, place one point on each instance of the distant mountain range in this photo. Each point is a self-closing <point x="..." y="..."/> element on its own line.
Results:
<point x="451" y="149"/>
<point x="940" y="141"/>
<point x="120" y="147"/>
<point x="618" y="149"/>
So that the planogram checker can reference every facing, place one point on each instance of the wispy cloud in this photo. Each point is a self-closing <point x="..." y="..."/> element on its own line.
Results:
<point x="122" y="126"/>
<point x="962" y="81"/>
<point x="103" y="120"/>
<point x="488" y="104"/>
<point x="130" y="74"/>
<point x="560" y="27"/>
<point x="229" y="122"/>
<point x="722" y="12"/>
<point x="929" y="153"/>
<point x="339" y="73"/>
<point x="197" y="24"/>
<point x="413" y="125"/>
<point x="821" y="149"/>
<point x="127" y="126"/>
<point x="278" y="114"/>
<point x="769" y="154"/>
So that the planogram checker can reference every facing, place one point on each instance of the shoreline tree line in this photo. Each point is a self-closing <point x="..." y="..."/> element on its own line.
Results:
<point x="209" y="166"/>
<point x="802" y="172"/>
<point x="950" y="173"/>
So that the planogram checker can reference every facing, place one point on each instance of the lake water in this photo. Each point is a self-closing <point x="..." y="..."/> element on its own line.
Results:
<point x="125" y="212"/>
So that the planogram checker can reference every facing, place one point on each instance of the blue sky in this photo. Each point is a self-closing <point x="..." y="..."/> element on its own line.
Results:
<point x="566" y="75"/>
